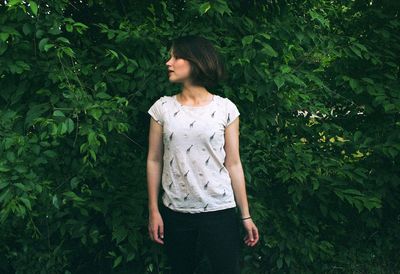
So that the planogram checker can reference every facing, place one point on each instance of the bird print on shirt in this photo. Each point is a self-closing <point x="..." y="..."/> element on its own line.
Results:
<point x="176" y="167"/>
<point x="186" y="197"/>
<point x="176" y="113"/>
<point x="212" y="137"/>
<point x="186" y="174"/>
<point x="188" y="150"/>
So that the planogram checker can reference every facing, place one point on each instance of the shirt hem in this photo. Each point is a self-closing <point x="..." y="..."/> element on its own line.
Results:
<point x="200" y="210"/>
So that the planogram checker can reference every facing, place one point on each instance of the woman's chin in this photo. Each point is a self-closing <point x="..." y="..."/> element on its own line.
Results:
<point x="173" y="80"/>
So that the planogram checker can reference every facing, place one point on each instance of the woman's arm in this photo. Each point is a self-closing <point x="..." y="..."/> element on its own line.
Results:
<point x="154" y="171"/>
<point x="154" y="164"/>
<point x="234" y="166"/>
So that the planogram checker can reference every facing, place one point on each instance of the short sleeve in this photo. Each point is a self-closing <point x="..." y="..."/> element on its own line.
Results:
<point x="156" y="111"/>
<point x="232" y="112"/>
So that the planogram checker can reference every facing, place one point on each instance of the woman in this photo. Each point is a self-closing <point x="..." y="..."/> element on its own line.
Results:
<point x="194" y="151"/>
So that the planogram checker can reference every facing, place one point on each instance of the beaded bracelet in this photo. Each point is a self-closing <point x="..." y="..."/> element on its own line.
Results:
<point x="246" y="218"/>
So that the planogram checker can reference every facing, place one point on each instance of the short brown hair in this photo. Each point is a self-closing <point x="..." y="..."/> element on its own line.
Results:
<point x="207" y="68"/>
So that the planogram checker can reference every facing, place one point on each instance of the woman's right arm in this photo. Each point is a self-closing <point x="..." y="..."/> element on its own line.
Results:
<point x="154" y="171"/>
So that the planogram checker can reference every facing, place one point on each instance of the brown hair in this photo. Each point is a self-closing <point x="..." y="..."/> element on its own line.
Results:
<point x="207" y="68"/>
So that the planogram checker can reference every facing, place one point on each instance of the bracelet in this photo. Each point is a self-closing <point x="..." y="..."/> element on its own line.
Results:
<point x="246" y="218"/>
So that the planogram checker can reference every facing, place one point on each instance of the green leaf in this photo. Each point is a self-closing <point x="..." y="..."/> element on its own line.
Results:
<point x="21" y="186"/>
<point x="4" y="169"/>
<point x="47" y="47"/>
<point x="248" y="39"/>
<point x="117" y="261"/>
<point x="103" y="95"/>
<point x="26" y="202"/>
<point x="92" y="138"/>
<point x="42" y="43"/>
<point x="5" y="195"/>
<point x="4" y="36"/>
<point x="58" y="113"/>
<point x="269" y="50"/>
<point x="96" y="113"/>
<point x="13" y="2"/>
<point x="279" y="81"/>
<point x="63" y="39"/>
<point x="69" y="124"/>
<point x="204" y="8"/>
<point x="50" y="153"/>
<point x="73" y="196"/>
<point x="352" y="191"/>
<point x="356" y="51"/>
<point x="3" y="184"/>
<point x="119" y="234"/>
<point x="279" y="262"/>
<point x="320" y="18"/>
<point x="55" y="202"/>
<point x="93" y="154"/>
<point x="34" y="7"/>
<point x="315" y="184"/>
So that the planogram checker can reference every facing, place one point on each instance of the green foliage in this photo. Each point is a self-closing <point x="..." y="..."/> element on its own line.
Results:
<point x="317" y="85"/>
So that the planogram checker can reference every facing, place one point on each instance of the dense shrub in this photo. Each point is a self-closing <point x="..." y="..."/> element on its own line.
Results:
<point x="317" y="85"/>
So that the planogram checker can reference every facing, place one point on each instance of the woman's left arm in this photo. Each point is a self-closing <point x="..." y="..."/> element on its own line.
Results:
<point x="234" y="166"/>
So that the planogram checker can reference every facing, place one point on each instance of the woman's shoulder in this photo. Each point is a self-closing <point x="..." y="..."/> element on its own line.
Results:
<point x="225" y="100"/>
<point x="163" y="99"/>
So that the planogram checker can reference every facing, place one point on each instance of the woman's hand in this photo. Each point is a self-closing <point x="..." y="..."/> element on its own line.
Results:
<point x="156" y="227"/>
<point x="252" y="232"/>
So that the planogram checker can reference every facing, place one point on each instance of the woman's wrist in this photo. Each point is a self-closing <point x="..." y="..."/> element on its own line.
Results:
<point x="245" y="218"/>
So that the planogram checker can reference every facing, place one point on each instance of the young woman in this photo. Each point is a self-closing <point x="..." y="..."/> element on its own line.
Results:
<point x="194" y="152"/>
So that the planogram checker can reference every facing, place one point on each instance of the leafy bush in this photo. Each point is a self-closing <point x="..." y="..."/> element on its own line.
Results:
<point x="316" y="82"/>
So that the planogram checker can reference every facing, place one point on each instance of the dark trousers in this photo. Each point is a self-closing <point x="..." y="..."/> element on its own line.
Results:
<point x="217" y="233"/>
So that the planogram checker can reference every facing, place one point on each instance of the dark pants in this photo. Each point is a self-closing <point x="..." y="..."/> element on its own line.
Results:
<point x="216" y="232"/>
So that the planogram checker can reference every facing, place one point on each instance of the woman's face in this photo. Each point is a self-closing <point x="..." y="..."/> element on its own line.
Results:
<point x="178" y="69"/>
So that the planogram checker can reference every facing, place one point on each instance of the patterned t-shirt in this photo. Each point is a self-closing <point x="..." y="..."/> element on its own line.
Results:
<point x="194" y="178"/>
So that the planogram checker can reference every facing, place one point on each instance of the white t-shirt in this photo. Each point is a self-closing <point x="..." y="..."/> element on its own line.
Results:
<point x="194" y="178"/>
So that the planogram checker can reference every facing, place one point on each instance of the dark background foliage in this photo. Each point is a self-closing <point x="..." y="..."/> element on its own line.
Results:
<point x="317" y="85"/>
